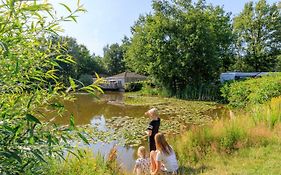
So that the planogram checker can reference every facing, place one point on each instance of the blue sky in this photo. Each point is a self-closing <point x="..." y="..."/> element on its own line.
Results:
<point x="108" y="21"/>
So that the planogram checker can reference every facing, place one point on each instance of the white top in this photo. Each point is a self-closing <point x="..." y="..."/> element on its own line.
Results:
<point x="170" y="161"/>
<point x="143" y="166"/>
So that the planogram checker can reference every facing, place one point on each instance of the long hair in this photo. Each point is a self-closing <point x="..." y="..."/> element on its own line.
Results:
<point x="162" y="145"/>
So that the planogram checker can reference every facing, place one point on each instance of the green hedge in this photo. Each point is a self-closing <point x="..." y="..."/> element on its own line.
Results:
<point x="252" y="91"/>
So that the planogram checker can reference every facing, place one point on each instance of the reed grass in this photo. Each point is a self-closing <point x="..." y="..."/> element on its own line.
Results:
<point x="259" y="127"/>
<point x="85" y="164"/>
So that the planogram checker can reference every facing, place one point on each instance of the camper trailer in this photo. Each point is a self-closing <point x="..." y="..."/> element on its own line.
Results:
<point x="239" y="75"/>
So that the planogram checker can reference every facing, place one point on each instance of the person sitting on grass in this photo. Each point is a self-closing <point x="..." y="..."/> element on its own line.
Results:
<point x="142" y="163"/>
<point x="164" y="155"/>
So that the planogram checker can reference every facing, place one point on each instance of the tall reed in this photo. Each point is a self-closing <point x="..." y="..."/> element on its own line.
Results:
<point x="260" y="126"/>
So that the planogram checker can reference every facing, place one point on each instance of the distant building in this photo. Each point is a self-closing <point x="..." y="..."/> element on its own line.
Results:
<point x="117" y="82"/>
<point x="239" y="75"/>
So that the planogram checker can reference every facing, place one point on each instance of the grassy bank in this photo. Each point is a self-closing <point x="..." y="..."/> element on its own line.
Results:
<point x="214" y="147"/>
<point x="254" y="160"/>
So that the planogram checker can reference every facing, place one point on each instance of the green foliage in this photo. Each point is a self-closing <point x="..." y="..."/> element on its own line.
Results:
<point x="278" y="65"/>
<point x="252" y="129"/>
<point x="76" y="59"/>
<point x="181" y="44"/>
<point x="233" y="134"/>
<point x="86" y="79"/>
<point x="133" y="86"/>
<point x="29" y="84"/>
<point x="87" y="165"/>
<point x="252" y="91"/>
<point x="269" y="114"/>
<point x="258" y="31"/>
<point x="149" y="90"/>
<point x="200" y="92"/>
<point x="114" y="59"/>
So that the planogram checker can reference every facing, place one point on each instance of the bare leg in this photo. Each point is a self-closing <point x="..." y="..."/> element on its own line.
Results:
<point x="152" y="160"/>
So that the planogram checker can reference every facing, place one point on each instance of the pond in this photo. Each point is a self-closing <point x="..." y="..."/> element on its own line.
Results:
<point x="111" y="121"/>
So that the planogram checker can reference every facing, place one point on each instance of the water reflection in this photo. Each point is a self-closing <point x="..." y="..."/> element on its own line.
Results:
<point x="125" y="155"/>
<point x="87" y="109"/>
<point x="99" y="123"/>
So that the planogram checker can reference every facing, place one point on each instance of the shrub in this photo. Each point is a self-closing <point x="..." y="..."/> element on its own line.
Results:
<point x="252" y="91"/>
<point x="134" y="86"/>
<point x="86" y="79"/>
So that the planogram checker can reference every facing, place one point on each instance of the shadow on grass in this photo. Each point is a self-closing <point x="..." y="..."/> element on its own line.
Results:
<point x="190" y="170"/>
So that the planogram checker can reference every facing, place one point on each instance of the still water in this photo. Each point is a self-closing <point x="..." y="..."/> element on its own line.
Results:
<point x="89" y="110"/>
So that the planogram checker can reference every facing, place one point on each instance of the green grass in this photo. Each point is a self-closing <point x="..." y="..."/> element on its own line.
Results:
<point x="261" y="160"/>
<point x="245" y="144"/>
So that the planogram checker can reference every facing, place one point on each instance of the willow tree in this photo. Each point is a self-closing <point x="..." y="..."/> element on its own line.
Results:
<point x="26" y="71"/>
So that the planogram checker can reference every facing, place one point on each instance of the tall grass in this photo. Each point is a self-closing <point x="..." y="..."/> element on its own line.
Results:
<point x="209" y="92"/>
<point x="202" y="91"/>
<point x="86" y="164"/>
<point x="258" y="127"/>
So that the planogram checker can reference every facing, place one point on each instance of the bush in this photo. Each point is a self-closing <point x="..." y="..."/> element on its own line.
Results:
<point x="86" y="79"/>
<point x="134" y="86"/>
<point x="252" y="91"/>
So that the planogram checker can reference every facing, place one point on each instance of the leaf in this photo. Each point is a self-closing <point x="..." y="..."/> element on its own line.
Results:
<point x="57" y="105"/>
<point x="30" y="100"/>
<point x="38" y="154"/>
<point x="70" y="60"/>
<point x="31" y="118"/>
<point x="67" y="8"/>
<point x="71" y="122"/>
<point x="5" y="48"/>
<point x="72" y="84"/>
<point x="64" y="139"/>
<point x="98" y="88"/>
<point x="73" y="18"/>
<point x="73" y="153"/>
<point x="83" y="138"/>
<point x="15" y="155"/>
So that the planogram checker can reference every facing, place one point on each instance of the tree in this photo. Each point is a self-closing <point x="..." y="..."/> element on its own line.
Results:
<point x="114" y="59"/>
<point x="26" y="68"/>
<point x="181" y="44"/>
<point x="80" y="62"/>
<point x="258" y="30"/>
